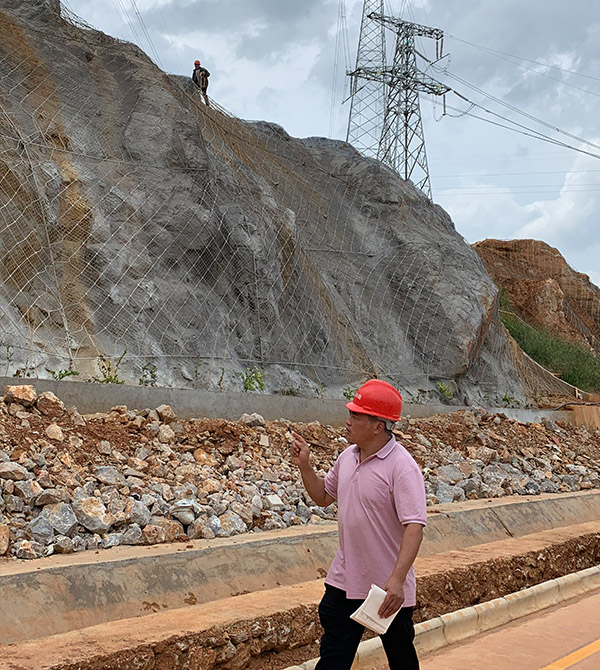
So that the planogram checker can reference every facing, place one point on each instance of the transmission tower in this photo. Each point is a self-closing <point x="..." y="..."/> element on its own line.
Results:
<point x="368" y="96"/>
<point x="398" y="126"/>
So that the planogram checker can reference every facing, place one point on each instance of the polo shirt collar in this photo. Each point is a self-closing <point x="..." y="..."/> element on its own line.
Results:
<point x="383" y="452"/>
<point x="387" y="448"/>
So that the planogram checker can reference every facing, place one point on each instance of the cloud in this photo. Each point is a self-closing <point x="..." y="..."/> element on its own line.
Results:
<point x="564" y="36"/>
<point x="569" y="222"/>
<point x="273" y="60"/>
<point x="261" y="30"/>
<point x="495" y="216"/>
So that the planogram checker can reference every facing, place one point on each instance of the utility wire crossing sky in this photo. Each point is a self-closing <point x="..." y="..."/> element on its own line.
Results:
<point x="517" y="154"/>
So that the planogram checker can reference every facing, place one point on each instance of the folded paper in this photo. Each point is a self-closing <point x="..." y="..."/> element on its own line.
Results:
<point x="367" y="615"/>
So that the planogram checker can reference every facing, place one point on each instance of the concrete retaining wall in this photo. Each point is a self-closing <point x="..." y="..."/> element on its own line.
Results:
<point x="252" y="629"/>
<point x="189" y="403"/>
<point x="461" y="525"/>
<point x="88" y="588"/>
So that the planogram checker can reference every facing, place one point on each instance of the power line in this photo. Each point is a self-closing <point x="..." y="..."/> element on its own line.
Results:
<point x="491" y="193"/>
<point x="341" y="45"/>
<point x="127" y="19"/>
<point x="146" y="33"/>
<point x="506" y="174"/>
<point x="516" y="187"/>
<point x="528" y="131"/>
<point x="514" y="109"/>
<point x="520" y="128"/>
<point x="543" y="74"/>
<point x="168" y="33"/>
<point x="503" y="158"/>
<point x="503" y="53"/>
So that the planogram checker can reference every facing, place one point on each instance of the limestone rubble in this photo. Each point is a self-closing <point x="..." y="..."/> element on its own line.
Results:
<point x="70" y="483"/>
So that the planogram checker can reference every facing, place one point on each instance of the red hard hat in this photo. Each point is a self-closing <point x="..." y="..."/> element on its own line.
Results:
<point x="196" y="62"/>
<point x="377" y="398"/>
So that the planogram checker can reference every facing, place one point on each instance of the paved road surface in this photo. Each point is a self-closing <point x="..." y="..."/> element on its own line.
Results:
<point x="562" y="637"/>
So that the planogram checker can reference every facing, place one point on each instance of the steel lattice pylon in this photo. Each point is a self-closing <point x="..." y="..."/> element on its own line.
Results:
<point x="393" y="132"/>
<point x="368" y="99"/>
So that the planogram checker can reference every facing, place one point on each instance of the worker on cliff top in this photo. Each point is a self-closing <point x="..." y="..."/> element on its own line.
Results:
<point x="381" y="500"/>
<point x="200" y="77"/>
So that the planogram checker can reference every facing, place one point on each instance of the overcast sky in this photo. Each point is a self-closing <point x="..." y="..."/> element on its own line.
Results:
<point x="275" y="60"/>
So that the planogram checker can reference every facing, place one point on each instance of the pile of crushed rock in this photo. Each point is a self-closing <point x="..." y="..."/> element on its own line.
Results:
<point x="70" y="482"/>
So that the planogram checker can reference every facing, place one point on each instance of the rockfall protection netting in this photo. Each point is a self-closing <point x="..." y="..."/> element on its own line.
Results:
<point x="147" y="237"/>
<point x="540" y="289"/>
<point x="541" y="285"/>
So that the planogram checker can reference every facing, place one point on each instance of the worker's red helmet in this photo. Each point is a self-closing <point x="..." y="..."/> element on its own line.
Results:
<point x="196" y="62"/>
<point x="377" y="398"/>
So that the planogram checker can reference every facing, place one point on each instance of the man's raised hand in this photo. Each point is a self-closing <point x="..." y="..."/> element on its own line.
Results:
<point x="299" y="449"/>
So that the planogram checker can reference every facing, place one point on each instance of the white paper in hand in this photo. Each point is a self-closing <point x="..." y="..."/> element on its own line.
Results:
<point x="367" y="615"/>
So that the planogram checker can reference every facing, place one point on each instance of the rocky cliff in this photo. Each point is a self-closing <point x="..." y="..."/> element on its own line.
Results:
<point x="544" y="290"/>
<point x="145" y="236"/>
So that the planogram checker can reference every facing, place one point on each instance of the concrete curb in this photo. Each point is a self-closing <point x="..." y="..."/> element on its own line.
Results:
<point x="455" y="626"/>
<point x="191" y="403"/>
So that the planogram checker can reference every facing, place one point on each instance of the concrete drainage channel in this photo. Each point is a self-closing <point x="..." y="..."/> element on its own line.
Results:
<point x="449" y="628"/>
<point x="239" y="602"/>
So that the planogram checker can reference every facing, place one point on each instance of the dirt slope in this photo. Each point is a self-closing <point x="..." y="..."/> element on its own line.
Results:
<point x="544" y="290"/>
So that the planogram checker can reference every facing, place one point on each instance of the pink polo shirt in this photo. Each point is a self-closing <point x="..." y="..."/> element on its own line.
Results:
<point x="376" y="499"/>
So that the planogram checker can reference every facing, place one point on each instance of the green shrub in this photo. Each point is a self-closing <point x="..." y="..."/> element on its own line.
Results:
<point x="253" y="379"/>
<point x="349" y="392"/>
<point x="149" y="375"/>
<point x="61" y="374"/>
<point x="8" y="358"/>
<point x="109" y="370"/>
<point x="510" y="401"/>
<point x="446" y="393"/>
<point x="572" y="362"/>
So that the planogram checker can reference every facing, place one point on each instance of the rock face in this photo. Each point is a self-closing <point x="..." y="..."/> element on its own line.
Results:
<point x="544" y="290"/>
<point x="144" y="236"/>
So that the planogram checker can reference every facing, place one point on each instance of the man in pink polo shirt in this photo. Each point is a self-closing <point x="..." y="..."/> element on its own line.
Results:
<point x="381" y="514"/>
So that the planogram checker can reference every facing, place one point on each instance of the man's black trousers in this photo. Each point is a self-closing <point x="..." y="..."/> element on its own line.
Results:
<point x="342" y="635"/>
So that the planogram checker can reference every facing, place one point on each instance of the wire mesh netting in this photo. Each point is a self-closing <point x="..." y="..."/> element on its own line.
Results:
<point x="542" y="292"/>
<point x="147" y="237"/>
